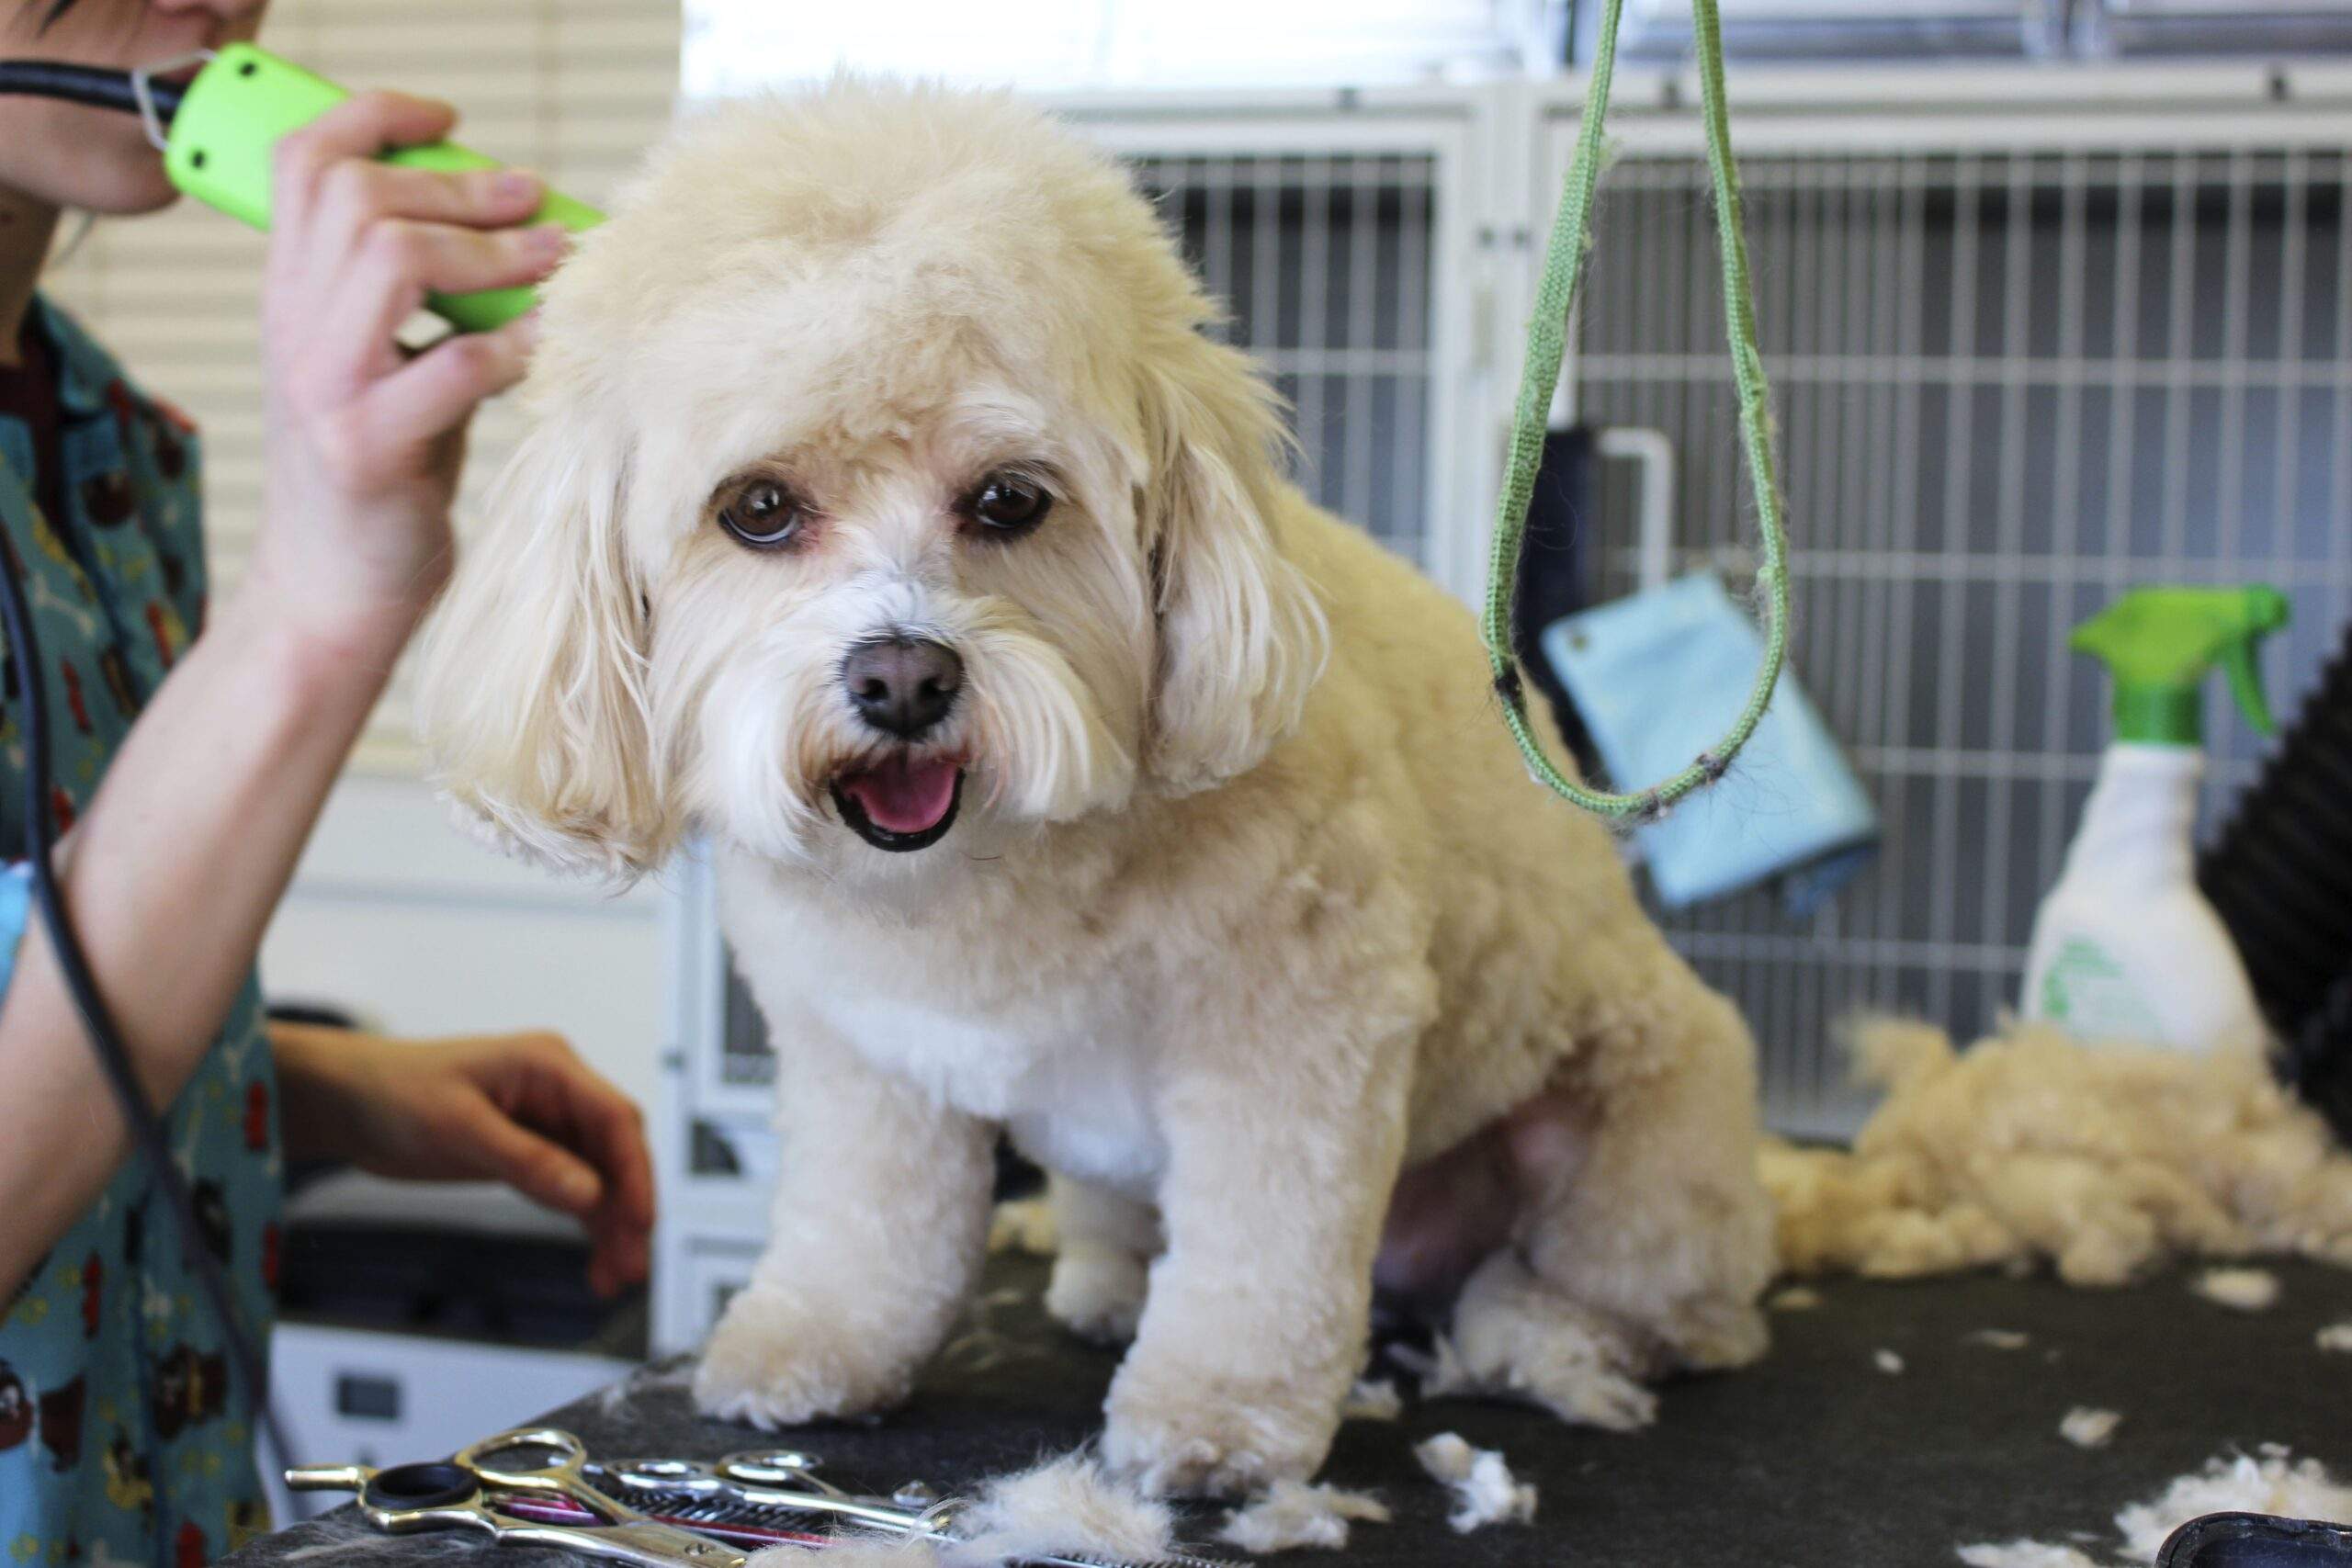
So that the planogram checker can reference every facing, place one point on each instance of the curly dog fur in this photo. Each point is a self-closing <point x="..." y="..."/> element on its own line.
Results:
<point x="1247" y="922"/>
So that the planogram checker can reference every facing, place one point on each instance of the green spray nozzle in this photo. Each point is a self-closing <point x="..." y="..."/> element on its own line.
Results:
<point x="2160" y="643"/>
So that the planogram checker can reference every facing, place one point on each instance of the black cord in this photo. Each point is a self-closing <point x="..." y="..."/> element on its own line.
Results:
<point x="146" y="1127"/>
<point x="92" y="84"/>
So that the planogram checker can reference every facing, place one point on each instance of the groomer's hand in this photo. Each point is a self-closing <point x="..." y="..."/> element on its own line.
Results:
<point x="520" y="1108"/>
<point x="365" y="440"/>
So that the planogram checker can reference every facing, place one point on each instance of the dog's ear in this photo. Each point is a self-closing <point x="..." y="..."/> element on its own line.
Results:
<point x="1242" y="636"/>
<point x="531" y="699"/>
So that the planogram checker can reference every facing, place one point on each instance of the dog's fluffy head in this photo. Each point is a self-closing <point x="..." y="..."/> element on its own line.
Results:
<point x="835" y="322"/>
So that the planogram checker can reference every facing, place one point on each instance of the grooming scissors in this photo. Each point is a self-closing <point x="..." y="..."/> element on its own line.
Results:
<point x="551" y="1502"/>
<point x="781" y="1485"/>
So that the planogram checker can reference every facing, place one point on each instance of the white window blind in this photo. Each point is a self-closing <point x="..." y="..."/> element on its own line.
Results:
<point x="575" y="89"/>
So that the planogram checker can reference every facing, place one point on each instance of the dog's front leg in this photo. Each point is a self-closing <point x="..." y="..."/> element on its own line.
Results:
<point x="879" y="1228"/>
<point x="1282" y="1156"/>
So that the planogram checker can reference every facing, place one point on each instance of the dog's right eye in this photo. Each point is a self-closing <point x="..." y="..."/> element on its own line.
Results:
<point x="761" y="513"/>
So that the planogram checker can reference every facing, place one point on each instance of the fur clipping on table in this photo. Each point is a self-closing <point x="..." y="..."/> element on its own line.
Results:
<point x="1290" y="1514"/>
<point x="2089" y="1428"/>
<point x="2104" y="1160"/>
<point x="1484" y="1492"/>
<point x="2267" y="1482"/>
<point x="2240" y="1289"/>
<point x="1069" y="1506"/>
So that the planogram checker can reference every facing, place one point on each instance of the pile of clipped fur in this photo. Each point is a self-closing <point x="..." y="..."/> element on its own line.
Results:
<point x="1065" y="1507"/>
<point x="2103" y="1159"/>
<point x="2270" y="1481"/>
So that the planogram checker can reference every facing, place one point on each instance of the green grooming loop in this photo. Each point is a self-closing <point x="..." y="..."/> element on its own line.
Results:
<point x="219" y="150"/>
<point x="1546" y="343"/>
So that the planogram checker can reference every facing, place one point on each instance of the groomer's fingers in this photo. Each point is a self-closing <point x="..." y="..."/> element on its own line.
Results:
<point x="435" y="392"/>
<point x="611" y="1134"/>
<point x="355" y="194"/>
<point x="622" y="1228"/>
<point x="618" y="1258"/>
<point x="397" y="262"/>
<point x="360" y="126"/>
<point x="541" y="1169"/>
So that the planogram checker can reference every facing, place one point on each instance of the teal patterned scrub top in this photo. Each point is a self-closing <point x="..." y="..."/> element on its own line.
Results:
<point x="124" y="1437"/>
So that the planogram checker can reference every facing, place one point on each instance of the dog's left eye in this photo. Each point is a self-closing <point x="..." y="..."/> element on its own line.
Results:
<point x="761" y="513"/>
<point x="1009" y="503"/>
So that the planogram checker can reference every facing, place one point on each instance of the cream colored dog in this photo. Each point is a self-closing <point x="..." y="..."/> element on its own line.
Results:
<point x="888" y="518"/>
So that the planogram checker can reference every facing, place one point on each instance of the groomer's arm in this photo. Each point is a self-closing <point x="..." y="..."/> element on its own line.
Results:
<point x="176" y="868"/>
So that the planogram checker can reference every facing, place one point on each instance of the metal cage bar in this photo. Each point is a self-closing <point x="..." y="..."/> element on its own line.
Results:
<point x="2012" y="380"/>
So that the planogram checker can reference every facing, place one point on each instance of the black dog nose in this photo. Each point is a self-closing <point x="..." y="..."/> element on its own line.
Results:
<point x="901" y="686"/>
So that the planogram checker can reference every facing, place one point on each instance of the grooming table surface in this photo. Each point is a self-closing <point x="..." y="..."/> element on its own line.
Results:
<point x="1814" y="1457"/>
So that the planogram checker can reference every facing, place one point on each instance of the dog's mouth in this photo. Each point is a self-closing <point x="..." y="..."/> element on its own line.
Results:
<point x="901" y="805"/>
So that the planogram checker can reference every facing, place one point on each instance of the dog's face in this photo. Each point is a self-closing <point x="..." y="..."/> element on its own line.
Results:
<point x="880" y="487"/>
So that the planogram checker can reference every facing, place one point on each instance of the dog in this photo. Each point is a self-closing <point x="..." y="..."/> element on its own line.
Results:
<point x="888" y="515"/>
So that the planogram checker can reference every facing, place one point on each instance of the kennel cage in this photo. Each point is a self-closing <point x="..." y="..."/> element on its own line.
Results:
<point x="2036" y="334"/>
<point x="2035" y="338"/>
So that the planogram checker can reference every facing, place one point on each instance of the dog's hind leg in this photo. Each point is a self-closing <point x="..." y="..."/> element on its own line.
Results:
<point x="1648" y="1256"/>
<point x="877" y="1233"/>
<point x="1102" y="1268"/>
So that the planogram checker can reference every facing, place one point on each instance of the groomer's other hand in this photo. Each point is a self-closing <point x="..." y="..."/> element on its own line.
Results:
<point x="521" y="1109"/>
<point x="365" y="440"/>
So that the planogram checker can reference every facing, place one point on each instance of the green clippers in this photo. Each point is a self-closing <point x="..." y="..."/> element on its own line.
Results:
<point x="217" y="148"/>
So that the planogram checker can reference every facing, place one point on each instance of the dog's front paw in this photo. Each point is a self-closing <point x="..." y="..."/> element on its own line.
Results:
<point x="1213" y="1437"/>
<point x="1097" y="1293"/>
<point x="774" y="1361"/>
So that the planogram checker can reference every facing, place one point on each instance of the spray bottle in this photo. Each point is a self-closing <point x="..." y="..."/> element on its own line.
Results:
<point x="2125" y="947"/>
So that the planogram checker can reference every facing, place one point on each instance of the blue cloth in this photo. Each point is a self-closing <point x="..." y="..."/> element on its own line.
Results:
<point x="123" y="1439"/>
<point x="1657" y="677"/>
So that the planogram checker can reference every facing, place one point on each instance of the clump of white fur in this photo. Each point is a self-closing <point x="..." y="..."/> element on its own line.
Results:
<point x="2025" y="1554"/>
<point x="876" y="1551"/>
<point x="1794" y="1298"/>
<point x="2241" y="1289"/>
<point x="2089" y="1428"/>
<point x="1998" y="1339"/>
<point x="1484" y="1492"/>
<point x="2264" y="1483"/>
<point x="2334" y="1337"/>
<point x="2267" y="1483"/>
<point x="1888" y="1362"/>
<point x="1292" y="1513"/>
<point x="2103" y="1159"/>
<point x="1067" y="1507"/>
<point x="1372" y="1399"/>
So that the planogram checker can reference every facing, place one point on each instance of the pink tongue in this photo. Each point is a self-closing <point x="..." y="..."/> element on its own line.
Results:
<point x="901" y="796"/>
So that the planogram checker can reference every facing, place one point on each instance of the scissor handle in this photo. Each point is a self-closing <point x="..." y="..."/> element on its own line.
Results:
<point x="327" y="1477"/>
<point x="771" y="1468"/>
<point x="561" y="1475"/>
<point x="434" y="1484"/>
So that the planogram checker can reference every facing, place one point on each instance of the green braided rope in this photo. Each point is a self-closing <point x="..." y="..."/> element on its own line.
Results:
<point x="1546" y="343"/>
